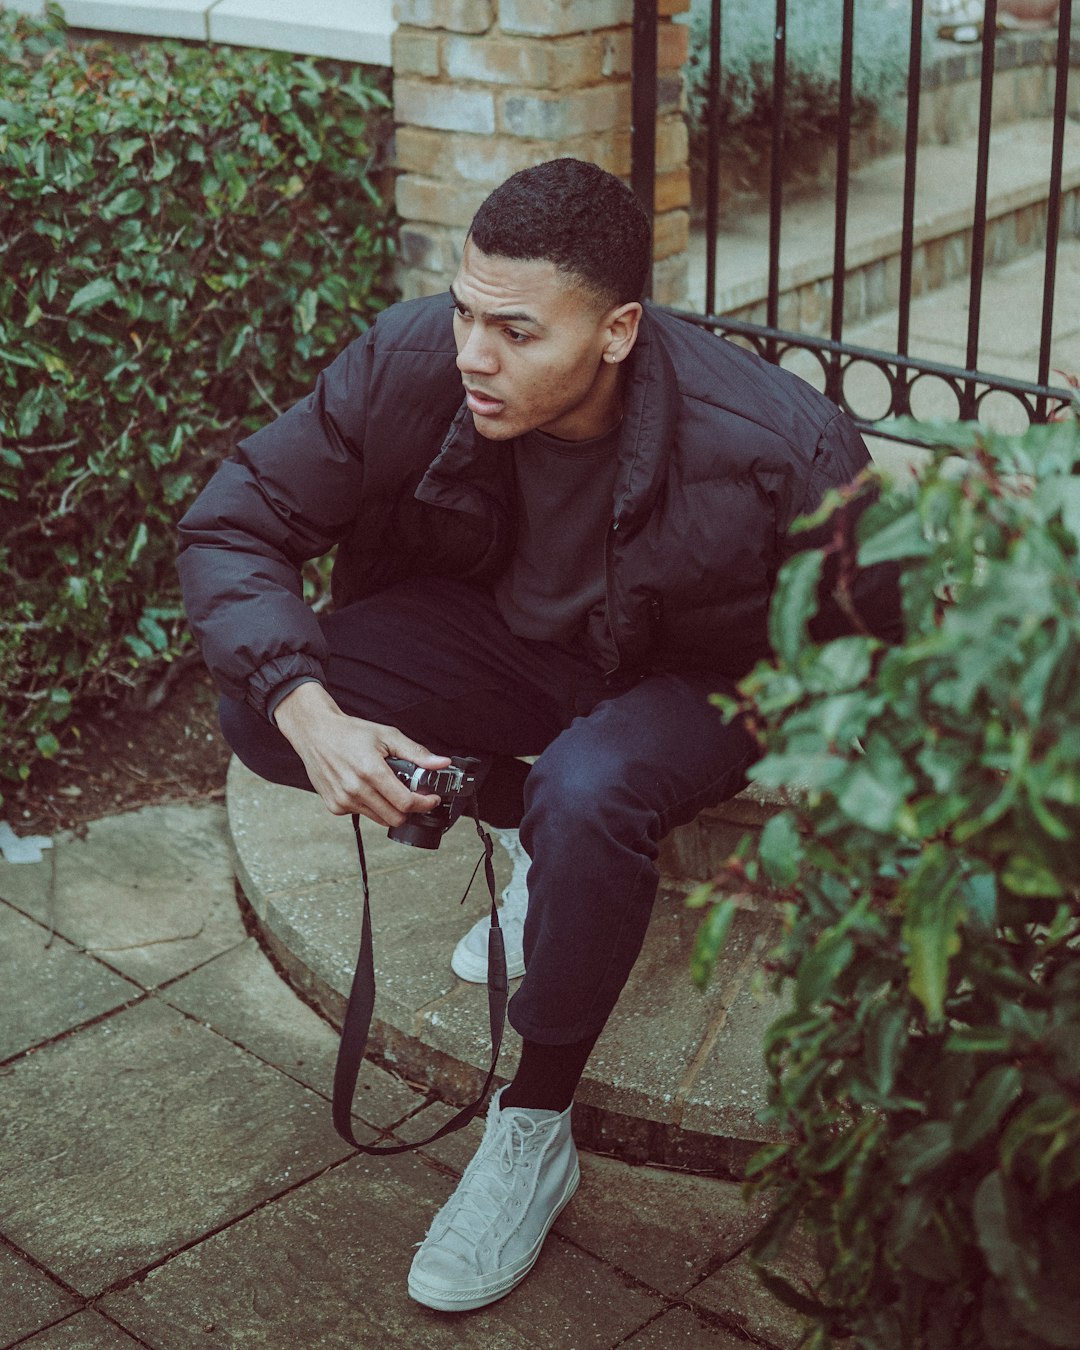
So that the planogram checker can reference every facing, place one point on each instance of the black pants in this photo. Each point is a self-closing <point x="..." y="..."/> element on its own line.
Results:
<point x="617" y="769"/>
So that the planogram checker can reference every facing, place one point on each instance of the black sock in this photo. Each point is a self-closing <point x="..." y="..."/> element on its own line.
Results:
<point x="547" y="1075"/>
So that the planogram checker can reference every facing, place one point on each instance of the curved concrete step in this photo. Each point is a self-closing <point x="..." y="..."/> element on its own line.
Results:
<point x="1016" y="225"/>
<point x="677" y="1077"/>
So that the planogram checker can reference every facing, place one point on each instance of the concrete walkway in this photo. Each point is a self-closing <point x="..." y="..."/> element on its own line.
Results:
<point x="171" y="1177"/>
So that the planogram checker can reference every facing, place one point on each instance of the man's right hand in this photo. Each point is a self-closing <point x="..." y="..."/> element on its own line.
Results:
<point x="345" y="757"/>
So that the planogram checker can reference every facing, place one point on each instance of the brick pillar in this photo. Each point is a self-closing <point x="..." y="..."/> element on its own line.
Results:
<point x="483" y="88"/>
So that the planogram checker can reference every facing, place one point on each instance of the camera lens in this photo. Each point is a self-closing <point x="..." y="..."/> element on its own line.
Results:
<point x="419" y="831"/>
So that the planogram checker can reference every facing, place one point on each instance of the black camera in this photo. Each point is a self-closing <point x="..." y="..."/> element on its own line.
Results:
<point x="456" y="787"/>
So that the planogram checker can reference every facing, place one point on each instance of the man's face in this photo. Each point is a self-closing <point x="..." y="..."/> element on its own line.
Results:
<point x="536" y="351"/>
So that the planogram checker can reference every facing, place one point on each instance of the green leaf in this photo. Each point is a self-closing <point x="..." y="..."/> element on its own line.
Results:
<point x="794" y="603"/>
<point x="808" y="771"/>
<point x="141" y="649"/>
<point x="788" y="1294"/>
<point x="1025" y="875"/>
<point x="126" y="149"/>
<point x="93" y="295"/>
<point x="164" y="164"/>
<point x="307" y="310"/>
<point x="79" y="591"/>
<point x="820" y="968"/>
<point x="978" y="892"/>
<point x="840" y="665"/>
<point x="700" y="896"/>
<point x="933" y="912"/>
<point x="921" y="1151"/>
<point x="780" y="848"/>
<point x="125" y="203"/>
<point x="139" y="539"/>
<point x="995" y="1092"/>
<point x="711" y="936"/>
<point x="904" y="537"/>
<point x="154" y="634"/>
<point x="1000" y="1232"/>
<point x="979" y="1041"/>
<point x="1049" y="1118"/>
<point x="885" y="1038"/>
<point x="47" y="745"/>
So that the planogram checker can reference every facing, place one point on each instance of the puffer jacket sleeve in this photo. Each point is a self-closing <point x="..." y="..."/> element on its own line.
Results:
<point x="288" y="494"/>
<point x="873" y="592"/>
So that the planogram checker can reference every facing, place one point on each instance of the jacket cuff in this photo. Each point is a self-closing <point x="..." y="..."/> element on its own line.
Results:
<point x="274" y="675"/>
<point x="283" y="691"/>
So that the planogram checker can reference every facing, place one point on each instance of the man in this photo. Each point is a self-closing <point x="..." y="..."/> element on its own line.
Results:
<point x="559" y="516"/>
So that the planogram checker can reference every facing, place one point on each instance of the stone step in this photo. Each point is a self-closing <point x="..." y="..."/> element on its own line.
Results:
<point x="949" y="111"/>
<point x="677" y="1077"/>
<point x="1024" y="85"/>
<point x="945" y="195"/>
<point x="696" y="852"/>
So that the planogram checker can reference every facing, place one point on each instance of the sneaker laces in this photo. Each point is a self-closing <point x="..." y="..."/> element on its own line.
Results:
<point x="484" y="1199"/>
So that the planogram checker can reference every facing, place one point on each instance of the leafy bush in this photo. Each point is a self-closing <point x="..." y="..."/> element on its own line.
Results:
<point x="812" y="84"/>
<point x="187" y="234"/>
<point x="926" y="1082"/>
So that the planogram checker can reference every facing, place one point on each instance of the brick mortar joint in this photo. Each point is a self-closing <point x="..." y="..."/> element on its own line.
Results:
<point x="497" y="33"/>
<point x="493" y="87"/>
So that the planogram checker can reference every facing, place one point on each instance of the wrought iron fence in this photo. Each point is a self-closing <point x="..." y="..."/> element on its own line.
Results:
<point x="970" y="385"/>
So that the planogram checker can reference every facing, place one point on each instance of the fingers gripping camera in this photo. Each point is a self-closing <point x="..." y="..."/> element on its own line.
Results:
<point x="456" y="787"/>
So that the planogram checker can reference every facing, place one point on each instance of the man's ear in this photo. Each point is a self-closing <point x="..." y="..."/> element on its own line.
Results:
<point x="622" y="330"/>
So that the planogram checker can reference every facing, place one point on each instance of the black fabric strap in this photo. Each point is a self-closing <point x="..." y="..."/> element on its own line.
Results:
<point x="354" y="1031"/>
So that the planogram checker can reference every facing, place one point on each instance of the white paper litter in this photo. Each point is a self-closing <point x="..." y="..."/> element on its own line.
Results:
<point x="16" y="850"/>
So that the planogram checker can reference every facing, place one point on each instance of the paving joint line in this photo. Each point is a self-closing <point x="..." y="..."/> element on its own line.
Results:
<point x="8" y="1064"/>
<point x="125" y="1282"/>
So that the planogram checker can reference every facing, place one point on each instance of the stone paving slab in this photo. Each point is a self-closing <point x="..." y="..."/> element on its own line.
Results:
<point x="28" y="886"/>
<point x="242" y="997"/>
<point x="87" y="1330"/>
<point x="641" y="1087"/>
<point x="736" y="1294"/>
<point x="623" y="1215"/>
<point x="30" y="1298"/>
<point x="150" y="893"/>
<point x="681" y="1327"/>
<point x="327" y="1266"/>
<point x="171" y="1157"/>
<point x="141" y="1133"/>
<point x="49" y="985"/>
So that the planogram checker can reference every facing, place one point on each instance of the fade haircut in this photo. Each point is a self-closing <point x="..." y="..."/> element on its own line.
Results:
<point x="579" y="217"/>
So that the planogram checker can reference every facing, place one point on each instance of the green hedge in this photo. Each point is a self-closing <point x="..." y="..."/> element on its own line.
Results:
<point x="187" y="234"/>
<point x="925" y="1085"/>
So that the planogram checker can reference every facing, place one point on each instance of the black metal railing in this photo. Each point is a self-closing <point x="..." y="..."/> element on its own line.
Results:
<point x="970" y="385"/>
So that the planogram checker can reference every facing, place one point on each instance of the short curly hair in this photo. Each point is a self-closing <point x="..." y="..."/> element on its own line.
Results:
<point x="579" y="217"/>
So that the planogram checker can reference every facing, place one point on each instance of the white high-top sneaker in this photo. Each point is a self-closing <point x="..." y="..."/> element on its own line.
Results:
<point x="469" y="961"/>
<point x="487" y="1236"/>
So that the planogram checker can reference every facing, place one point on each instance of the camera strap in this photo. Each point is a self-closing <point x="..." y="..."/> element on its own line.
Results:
<point x="357" y="1024"/>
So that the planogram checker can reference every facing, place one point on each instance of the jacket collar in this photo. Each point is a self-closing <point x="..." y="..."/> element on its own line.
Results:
<point x="469" y="463"/>
<point x="650" y="417"/>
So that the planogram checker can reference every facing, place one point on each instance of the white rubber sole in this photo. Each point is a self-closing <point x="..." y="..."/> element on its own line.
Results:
<point x="466" y="965"/>
<point x="500" y="1282"/>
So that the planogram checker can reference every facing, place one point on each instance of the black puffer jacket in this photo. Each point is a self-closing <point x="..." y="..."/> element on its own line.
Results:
<point x="719" y="453"/>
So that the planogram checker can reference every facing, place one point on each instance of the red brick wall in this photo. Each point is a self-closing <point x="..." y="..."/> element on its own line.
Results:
<point x="483" y="88"/>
